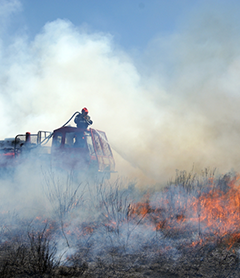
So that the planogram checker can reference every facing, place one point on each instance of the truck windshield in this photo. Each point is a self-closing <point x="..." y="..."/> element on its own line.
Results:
<point x="74" y="140"/>
<point x="57" y="139"/>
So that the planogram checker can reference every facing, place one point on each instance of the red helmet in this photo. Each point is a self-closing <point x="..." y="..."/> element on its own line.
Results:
<point x="84" y="110"/>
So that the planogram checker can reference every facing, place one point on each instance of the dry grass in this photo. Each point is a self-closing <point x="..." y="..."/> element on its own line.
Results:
<point x="118" y="240"/>
<point x="31" y="253"/>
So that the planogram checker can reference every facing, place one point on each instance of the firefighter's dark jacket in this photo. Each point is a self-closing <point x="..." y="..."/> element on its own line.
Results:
<point x="82" y="121"/>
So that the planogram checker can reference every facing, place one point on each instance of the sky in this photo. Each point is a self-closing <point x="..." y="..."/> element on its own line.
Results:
<point x="161" y="78"/>
<point x="132" y="23"/>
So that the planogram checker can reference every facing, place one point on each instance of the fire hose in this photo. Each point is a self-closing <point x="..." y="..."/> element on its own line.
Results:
<point x="45" y="141"/>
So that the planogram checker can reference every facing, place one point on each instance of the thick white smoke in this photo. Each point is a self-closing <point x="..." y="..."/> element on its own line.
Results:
<point x="175" y="106"/>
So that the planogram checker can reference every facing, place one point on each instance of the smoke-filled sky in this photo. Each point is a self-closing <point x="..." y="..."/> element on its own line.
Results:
<point x="160" y="77"/>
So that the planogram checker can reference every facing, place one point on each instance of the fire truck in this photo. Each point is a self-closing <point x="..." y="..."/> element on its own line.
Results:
<point x="83" y="150"/>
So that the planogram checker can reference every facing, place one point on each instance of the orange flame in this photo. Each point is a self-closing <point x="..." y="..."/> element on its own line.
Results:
<point x="213" y="211"/>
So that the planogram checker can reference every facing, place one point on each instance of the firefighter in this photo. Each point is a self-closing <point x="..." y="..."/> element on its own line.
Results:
<point x="82" y="120"/>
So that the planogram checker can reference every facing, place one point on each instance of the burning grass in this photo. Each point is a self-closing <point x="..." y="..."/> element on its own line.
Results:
<point x="205" y="208"/>
<point x="189" y="228"/>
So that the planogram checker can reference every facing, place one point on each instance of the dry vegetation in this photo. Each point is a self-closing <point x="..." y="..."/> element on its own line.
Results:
<point x="114" y="230"/>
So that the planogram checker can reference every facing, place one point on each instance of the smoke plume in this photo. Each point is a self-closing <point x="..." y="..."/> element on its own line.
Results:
<point x="175" y="105"/>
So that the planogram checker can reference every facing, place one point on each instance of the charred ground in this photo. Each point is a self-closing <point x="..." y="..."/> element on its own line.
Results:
<point x="111" y="229"/>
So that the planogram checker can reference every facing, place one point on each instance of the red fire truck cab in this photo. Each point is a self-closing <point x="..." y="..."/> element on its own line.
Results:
<point x="82" y="150"/>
